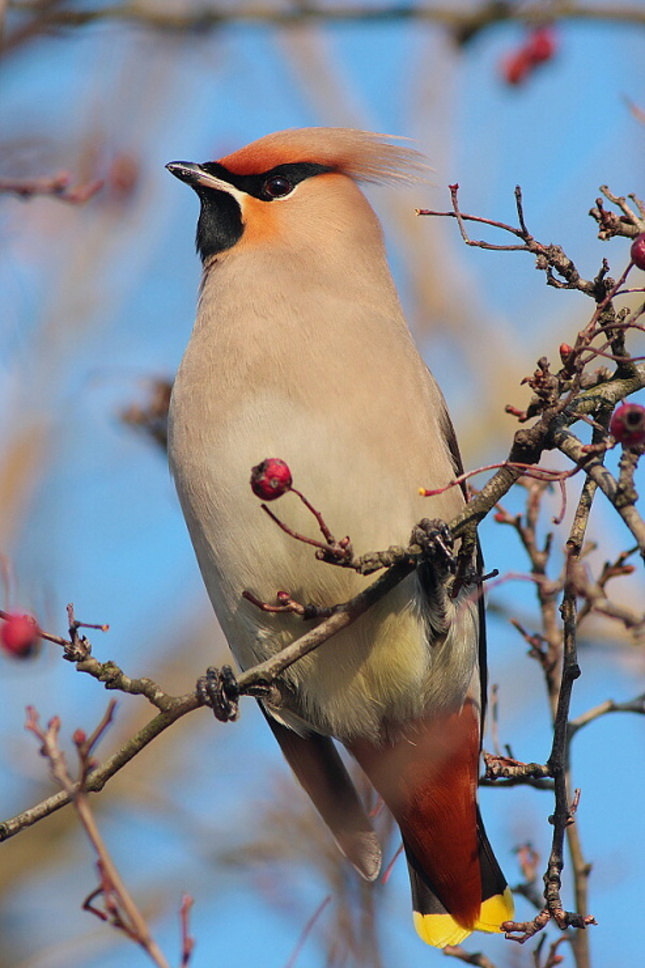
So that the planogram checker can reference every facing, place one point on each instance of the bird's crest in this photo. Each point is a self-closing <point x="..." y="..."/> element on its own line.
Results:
<point x="361" y="155"/>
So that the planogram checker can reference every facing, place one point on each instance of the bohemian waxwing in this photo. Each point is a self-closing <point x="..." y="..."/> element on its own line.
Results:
<point x="300" y="351"/>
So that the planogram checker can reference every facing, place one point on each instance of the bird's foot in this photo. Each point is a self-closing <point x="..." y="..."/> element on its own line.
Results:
<point x="434" y="538"/>
<point x="219" y="690"/>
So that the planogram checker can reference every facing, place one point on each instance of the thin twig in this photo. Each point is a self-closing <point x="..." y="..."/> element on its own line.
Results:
<point x="464" y="24"/>
<point x="306" y="931"/>
<point x="636" y="705"/>
<point x="121" y="910"/>
<point x="187" y="942"/>
<point x="57" y="186"/>
<point x="474" y="958"/>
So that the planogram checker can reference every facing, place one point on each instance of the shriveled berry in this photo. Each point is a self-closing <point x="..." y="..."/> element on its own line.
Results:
<point x="19" y="635"/>
<point x="627" y="424"/>
<point x="271" y="479"/>
<point x="637" y="251"/>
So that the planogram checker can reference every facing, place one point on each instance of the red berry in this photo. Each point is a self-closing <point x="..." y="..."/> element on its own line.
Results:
<point x="637" y="251"/>
<point x="541" y="44"/>
<point x="516" y="68"/>
<point x="19" y="635"/>
<point x="271" y="479"/>
<point x="627" y="424"/>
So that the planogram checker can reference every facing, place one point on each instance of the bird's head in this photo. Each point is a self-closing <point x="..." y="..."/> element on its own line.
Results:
<point x="294" y="185"/>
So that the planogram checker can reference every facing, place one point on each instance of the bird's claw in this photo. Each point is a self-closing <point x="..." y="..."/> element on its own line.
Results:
<point x="434" y="538"/>
<point x="219" y="690"/>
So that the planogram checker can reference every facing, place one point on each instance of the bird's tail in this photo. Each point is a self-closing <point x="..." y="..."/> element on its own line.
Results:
<point x="492" y="902"/>
<point x="428" y="779"/>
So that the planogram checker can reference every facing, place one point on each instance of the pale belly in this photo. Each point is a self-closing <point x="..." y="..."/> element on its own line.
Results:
<point x="382" y="669"/>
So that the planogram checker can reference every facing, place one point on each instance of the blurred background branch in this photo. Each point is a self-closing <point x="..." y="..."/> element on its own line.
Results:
<point x="462" y="24"/>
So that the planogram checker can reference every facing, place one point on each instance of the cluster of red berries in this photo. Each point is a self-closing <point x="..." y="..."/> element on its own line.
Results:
<point x="540" y="46"/>
<point x="19" y="635"/>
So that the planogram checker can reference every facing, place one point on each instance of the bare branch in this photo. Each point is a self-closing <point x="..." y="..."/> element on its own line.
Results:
<point x="56" y="185"/>
<point x="306" y="931"/>
<point x="476" y="958"/>
<point x="463" y="23"/>
<point x="187" y="942"/>
<point x="636" y="705"/>
<point x="176" y="708"/>
<point x="119" y="907"/>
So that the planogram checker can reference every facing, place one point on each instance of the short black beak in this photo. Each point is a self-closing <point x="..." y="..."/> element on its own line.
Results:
<point x="199" y="177"/>
<point x="186" y="171"/>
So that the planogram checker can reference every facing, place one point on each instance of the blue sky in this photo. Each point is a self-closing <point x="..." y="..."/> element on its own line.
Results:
<point x="94" y="300"/>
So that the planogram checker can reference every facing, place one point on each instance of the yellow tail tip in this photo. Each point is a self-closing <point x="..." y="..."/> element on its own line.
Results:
<point x="494" y="911"/>
<point x="440" y="930"/>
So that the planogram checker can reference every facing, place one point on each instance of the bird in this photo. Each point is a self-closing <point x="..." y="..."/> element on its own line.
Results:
<point x="300" y="351"/>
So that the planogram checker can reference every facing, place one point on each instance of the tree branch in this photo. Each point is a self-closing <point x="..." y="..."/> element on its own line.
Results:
<point x="56" y="185"/>
<point x="119" y="907"/>
<point x="462" y="24"/>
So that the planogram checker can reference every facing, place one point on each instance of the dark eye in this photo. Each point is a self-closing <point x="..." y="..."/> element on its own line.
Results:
<point x="277" y="186"/>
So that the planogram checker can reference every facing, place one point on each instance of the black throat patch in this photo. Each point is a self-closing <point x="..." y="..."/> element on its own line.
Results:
<point x="220" y="223"/>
